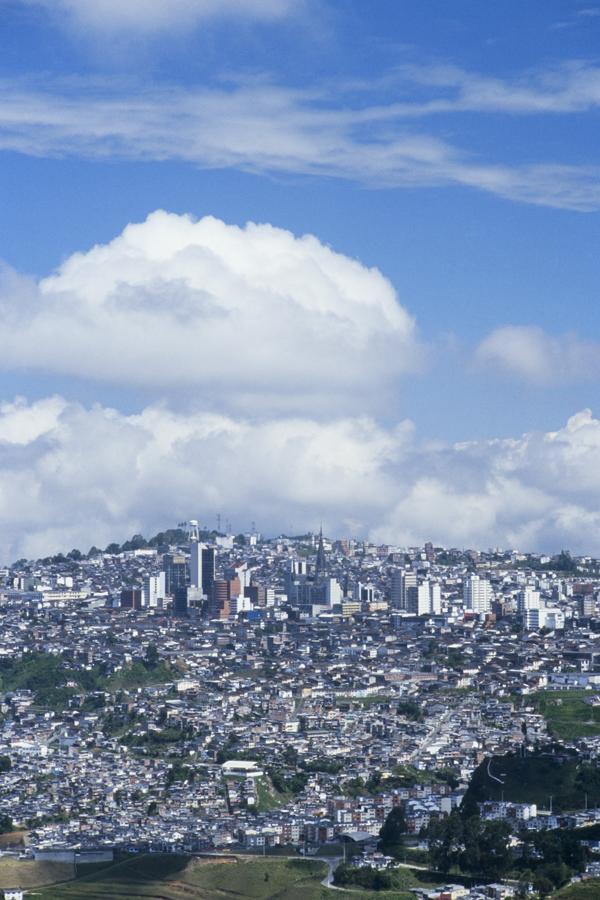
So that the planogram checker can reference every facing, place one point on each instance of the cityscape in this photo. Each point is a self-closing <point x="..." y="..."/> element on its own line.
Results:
<point x="299" y="450"/>
<point x="201" y="694"/>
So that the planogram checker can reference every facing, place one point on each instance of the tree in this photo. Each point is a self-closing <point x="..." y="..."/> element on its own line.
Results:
<point x="543" y="885"/>
<point x="151" y="658"/>
<point x="373" y="782"/>
<point x="290" y="756"/>
<point x="112" y="549"/>
<point x="392" y="831"/>
<point x="137" y="542"/>
<point x="494" y="850"/>
<point x="445" y="841"/>
<point x="5" y="764"/>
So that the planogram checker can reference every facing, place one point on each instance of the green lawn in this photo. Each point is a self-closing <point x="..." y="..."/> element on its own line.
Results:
<point x="31" y="873"/>
<point x="172" y="877"/>
<point x="567" y="714"/>
<point x="268" y="797"/>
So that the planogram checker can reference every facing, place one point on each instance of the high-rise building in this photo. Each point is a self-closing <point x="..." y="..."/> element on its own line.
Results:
<point x="257" y="594"/>
<point x="528" y="599"/>
<point x="363" y="593"/>
<point x="131" y="598"/>
<point x="587" y="605"/>
<point x="180" y="601"/>
<point x="529" y="607"/>
<point x="477" y="594"/>
<point x="208" y="569"/>
<point x="176" y="572"/>
<point x="424" y="598"/>
<point x="196" y="554"/>
<point x="401" y="582"/>
<point x="333" y="592"/>
<point x="220" y="599"/>
<point x="154" y="590"/>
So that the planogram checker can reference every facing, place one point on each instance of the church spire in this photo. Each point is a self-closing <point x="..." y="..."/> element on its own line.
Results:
<point x="320" y="555"/>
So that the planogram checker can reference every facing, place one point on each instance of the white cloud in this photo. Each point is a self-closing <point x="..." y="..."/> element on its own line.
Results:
<point x="569" y="88"/>
<point x="71" y="476"/>
<point x="152" y="16"/>
<point x="260" y="127"/>
<point x="233" y="312"/>
<point x="530" y="353"/>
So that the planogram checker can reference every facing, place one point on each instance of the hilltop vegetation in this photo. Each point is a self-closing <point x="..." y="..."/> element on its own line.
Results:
<point x="54" y="682"/>
<point x="585" y="890"/>
<point x="534" y="779"/>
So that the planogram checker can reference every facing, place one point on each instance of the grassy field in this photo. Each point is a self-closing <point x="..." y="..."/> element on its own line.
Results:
<point x="567" y="714"/>
<point x="585" y="890"/>
<point x="534" y="779"/>
<point x="172" y="877"/>
<point x="366" y="702"/>
<point x="268" y="798"/>
<point x="29" y="873"/>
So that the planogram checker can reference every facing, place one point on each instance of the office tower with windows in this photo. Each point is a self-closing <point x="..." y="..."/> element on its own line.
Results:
<point x="176" y="572"/>
<point x="131" y="598"/>
<point x="180" y="601"/>
<point x="208" y="569"/>
<point x="401" y="582"/>
<point x="220" y="599"/>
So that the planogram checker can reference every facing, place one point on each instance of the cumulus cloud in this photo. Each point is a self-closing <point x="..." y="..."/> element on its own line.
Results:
<point x="530" y="353"/>
<point x="233" y="312"/>
<point x="72" y="476"/>
<point x="151" y="16"/>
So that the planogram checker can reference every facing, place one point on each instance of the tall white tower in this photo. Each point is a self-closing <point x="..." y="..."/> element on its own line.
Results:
<point x="477" y="594"/>
<point x="196" y="549"/>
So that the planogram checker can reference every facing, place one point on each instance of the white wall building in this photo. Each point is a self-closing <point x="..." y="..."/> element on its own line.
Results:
<point x="154" y="590"/>
<point x="477" y="594"/>
<point x="423" y="599"/>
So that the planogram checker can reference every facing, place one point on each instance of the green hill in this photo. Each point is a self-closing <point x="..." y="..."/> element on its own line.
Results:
<point x="173" y="877"/>
<point x="534" y="779"/>
<point x="585" y="890"/>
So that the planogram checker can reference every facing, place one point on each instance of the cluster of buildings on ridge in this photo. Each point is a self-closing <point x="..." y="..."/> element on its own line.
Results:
<point x="328" y="672"/>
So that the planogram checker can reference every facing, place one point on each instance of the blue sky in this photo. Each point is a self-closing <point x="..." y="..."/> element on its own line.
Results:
<point x="452" y="146"/>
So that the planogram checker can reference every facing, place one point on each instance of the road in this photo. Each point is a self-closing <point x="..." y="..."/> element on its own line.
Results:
<point x="431" y="731"/>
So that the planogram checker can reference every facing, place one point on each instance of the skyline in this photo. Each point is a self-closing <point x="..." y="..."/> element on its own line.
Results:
<point x="403" y="342"/>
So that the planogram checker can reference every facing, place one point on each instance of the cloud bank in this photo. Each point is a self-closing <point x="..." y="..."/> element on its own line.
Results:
<point x="235" y="313"/>
<point x="299" y="349"/>
<point x="73" y="476"/>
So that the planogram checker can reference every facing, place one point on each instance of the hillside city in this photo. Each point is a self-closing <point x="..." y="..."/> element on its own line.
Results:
<point x="376" y="706"/>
